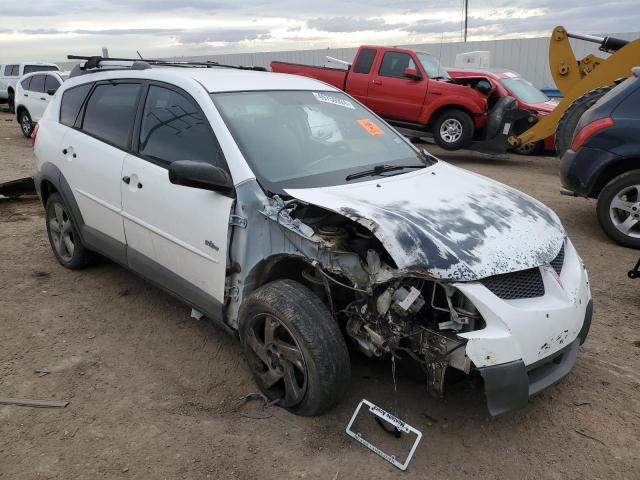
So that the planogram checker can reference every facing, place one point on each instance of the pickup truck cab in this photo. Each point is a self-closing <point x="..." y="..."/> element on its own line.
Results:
<point x="10" y="74"/>
<point x="504" y="83"/>
<point x="409" y="89"/>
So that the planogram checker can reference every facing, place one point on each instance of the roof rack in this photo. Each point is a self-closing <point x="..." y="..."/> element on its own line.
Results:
<point x="93" y="63"/>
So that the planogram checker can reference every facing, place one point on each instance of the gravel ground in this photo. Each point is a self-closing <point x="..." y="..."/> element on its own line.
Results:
<point x="155" y="394"/>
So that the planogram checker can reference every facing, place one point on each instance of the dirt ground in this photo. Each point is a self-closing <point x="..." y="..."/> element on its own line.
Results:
<point x="155" y="394"/>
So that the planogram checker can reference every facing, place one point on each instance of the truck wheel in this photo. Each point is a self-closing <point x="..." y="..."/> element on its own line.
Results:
<point x="12" y="102"/>
<point x="571" y="117"/>
<point x="453" y="130"/>
<point x="26" y="125"/>
<point x="531" y="148"/>
<point x="63" y="236"/>
<point x="619" y="209"/>
<point x="294" y="347"/>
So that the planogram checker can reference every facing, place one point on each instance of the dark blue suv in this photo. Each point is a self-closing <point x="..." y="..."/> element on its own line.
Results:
<point x="604" y="161"/>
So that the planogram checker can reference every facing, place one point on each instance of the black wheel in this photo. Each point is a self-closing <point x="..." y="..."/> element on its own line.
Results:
<point x="453" y="130"/>
<point x="571" y="117"/>
<point x="294" y="347"/>
<point x="619" y="209"/>
<point x="12" y="102"/>
<point x="63" y="236"/>
<point x="531" y="148"/>
<point x="26" y="125"/>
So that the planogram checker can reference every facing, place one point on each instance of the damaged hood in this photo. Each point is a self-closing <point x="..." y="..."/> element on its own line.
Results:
<point x="447" y="222"/>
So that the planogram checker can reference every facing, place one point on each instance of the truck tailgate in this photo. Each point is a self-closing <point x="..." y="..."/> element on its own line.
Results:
<point x="334" y="76"/>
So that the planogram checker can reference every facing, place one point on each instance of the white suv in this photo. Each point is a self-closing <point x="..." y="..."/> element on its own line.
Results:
<point x="10" y="74"/>
<point x="297" y="219"/>
<point x="34" y="91"/>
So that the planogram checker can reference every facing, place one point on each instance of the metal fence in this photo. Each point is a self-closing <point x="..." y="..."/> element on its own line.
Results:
<point x="528" y="56"/>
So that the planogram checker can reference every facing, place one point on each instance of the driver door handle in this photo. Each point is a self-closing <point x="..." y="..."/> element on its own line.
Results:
<point x="376" y="82"/>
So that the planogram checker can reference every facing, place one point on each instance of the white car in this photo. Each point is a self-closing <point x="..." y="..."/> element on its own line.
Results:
<point x="11" y="72"/>
<point x="217" y="186"/>
<point x="34" y="91"/>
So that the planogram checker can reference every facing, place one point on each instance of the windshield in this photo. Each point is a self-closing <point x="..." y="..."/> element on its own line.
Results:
<point x="40" y="68"/>
<point x="432" y="65"/>
<point x="524" y="90"/>
<point x="301" y="139"/>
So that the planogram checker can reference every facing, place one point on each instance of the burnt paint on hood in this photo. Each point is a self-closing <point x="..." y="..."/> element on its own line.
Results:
<point x="447" y="222"/>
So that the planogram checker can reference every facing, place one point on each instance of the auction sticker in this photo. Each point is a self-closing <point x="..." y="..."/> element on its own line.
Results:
<point x="370" y="126"/>
<point x="323" y="97"/>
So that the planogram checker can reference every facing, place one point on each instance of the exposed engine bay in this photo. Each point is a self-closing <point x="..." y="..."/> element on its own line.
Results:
<point x="383" y="311"/>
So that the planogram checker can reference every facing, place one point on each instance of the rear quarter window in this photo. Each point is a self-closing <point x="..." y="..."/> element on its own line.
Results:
<point x="365" y="61"/>
<point x="37" y="83"/>
<point x="72" y="100"/>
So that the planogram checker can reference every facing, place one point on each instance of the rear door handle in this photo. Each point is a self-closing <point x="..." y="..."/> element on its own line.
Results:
<point x="26" y="95"/>
<point x="376" y="82"/>
<point x="126" y="180"/>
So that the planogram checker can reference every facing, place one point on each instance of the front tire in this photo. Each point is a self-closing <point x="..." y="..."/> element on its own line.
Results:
<point x="453" y="130"/>
<point x="619" y="209"/>
<point x="26" y="124"/>
<point x="294" y="347"/>
<point x="63" y="236"/>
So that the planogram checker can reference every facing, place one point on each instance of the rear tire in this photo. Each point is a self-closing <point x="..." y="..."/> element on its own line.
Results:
<point x="12" y="102"/>
<point x="63" y="236"/>
<point x="294" y="347"/>
<point x="26" y="124"/>
<point x="619" y="208"/>
<point x="529" y="149"/>
<point x="571" y="117"/>
<point x="453" y="130"/>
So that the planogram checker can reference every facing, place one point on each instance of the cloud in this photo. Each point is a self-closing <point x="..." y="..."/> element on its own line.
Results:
<point x="223" y="35"/>
<point x="349" y="24"/>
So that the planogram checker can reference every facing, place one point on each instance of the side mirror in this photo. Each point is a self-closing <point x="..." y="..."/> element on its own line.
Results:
<point x="200" y="175"/>
<point x="51" y="91"/>
<point x="412" y="73"/>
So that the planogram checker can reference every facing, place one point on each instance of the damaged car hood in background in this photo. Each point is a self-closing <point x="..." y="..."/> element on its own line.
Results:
<point x="447" y="222"/>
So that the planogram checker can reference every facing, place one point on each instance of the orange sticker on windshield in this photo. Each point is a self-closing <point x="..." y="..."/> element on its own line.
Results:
<point x="370" y="126"/>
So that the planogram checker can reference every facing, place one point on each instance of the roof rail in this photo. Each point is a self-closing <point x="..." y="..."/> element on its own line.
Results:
<point x="97" y="62"/>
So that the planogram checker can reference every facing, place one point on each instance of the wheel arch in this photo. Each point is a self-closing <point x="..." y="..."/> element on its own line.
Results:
<point x="611" y="171"/>
<point x="277" y="267"/>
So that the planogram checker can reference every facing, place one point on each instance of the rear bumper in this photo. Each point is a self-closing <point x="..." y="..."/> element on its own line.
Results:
<point x="510" y="385"/>
<point x="579" y="171"/>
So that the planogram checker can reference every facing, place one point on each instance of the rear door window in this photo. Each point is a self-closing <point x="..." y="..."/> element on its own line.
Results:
<point x="365" y="61"/>
<point x="37" y="84"/>
<point x="51" y="83"/>
<point x="72" y="100"/>
<point x="173" y="128"/>
<point x="110" y="112"/>
<point x="10" y="69"/>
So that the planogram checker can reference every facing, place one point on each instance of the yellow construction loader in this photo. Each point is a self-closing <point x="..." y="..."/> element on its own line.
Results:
<point x="581" y="82"/>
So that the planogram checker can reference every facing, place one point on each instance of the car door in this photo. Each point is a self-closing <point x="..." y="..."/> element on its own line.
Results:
<point x="391" y="94"/>
<point x="176" y="235"/>
<point x="34" y="97"/>
<point x="94" y="151"/>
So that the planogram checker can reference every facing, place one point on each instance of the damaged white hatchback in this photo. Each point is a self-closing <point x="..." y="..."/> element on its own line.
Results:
<point x="300" y="221"/>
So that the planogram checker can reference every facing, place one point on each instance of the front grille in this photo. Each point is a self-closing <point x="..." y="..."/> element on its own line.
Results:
<point x="557" y="262"/>
<point x="522" y="284"/>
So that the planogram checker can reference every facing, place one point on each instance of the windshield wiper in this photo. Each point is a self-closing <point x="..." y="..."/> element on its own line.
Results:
<point x="380" y="169"/>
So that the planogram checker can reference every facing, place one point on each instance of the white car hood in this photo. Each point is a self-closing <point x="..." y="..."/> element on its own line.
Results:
<point x="447" y="222"/>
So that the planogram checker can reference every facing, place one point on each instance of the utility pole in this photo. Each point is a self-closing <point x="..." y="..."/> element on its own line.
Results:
<point x="466" y="15"/>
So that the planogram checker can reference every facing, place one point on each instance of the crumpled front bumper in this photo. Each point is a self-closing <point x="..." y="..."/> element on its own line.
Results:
<point x="509" y="386"/>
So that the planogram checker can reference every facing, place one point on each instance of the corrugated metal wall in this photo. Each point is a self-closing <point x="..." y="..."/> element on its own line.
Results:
<point x="528" y="56"/>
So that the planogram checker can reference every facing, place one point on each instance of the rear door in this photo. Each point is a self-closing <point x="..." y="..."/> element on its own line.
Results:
<point x="94" y="151"/>
<point x="35" y="97"/>
<point x="393" y="95"/>
<point x="176" y="235"/>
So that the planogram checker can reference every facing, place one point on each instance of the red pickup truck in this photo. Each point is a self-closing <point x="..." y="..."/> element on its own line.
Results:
<point x="409" y="89"/>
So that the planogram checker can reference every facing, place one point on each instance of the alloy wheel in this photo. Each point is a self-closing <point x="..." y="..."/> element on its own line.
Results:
<point x="451" y="130"/>
<point x="61" y="232"/>
<point x="276" y="360"/>
<point x="624" y="211"/>
<point x="25" y="123"/>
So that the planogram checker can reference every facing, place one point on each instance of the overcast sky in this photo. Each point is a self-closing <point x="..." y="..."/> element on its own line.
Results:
<point x="50" y="29"/>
